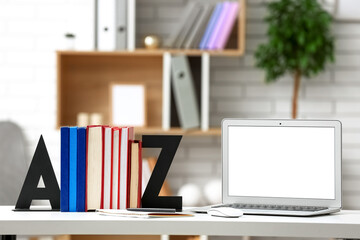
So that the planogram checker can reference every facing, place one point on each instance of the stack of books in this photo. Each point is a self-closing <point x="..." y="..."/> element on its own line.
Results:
<point x="101" y="168"/>
<point x="204" y="26"/>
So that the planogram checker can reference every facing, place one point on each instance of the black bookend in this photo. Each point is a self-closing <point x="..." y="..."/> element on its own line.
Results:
<point x="8" y="237"/>
<point x="40" y="167"/>
<point x="168" y="145"/>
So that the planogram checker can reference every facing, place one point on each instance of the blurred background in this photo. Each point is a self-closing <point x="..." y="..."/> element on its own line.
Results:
<point x="31" y="31"/>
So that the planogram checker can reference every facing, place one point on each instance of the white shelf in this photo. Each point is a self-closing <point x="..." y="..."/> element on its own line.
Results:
<point x="345" y="224"/>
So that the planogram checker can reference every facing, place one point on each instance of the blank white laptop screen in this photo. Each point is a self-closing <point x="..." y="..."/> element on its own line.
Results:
<point x="289" y="162"/>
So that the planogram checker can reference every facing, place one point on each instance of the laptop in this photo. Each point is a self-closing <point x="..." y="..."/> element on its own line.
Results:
<point x="281" y="167"/>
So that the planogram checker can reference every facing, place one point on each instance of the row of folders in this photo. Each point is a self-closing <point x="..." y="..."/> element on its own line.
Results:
<point x="204" y="26"/>
<point x="101" y="168"/>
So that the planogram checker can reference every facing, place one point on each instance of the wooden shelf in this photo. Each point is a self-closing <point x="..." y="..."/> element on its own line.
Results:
<point x="84" y="80"/>
<point x="84" y="77"/>
<point x="178" y="131"/>
<point x="83" y="86"/>
<point x="157" y="52"/>
<point x="236" y="50"/>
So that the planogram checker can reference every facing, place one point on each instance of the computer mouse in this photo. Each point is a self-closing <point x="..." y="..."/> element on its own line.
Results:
<point x="225" y="212"/>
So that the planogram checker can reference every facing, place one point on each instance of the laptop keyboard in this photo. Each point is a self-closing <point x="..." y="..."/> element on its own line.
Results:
<point x="273" y="207"/>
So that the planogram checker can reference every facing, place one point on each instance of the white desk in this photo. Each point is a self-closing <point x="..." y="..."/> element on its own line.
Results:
<point x="345" y="224"/>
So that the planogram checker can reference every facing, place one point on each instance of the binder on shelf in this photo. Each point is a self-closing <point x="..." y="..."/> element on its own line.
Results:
<point x="228" y="25"/>
<point x="64" y="171"/>
<point x="72" y="168"/>
<point x="198" y="30"/>
<point x="210" y="26"/>
<point x="213" y="40"/>
<point x="166" y="91"/>
<point x="111" y="28"/>
<point x="81" y="169"/>
<point x="172" y="39"/>
<point x="184" y="93"/>
<point x="189" y="23"/>
<point x="131" y="24"/>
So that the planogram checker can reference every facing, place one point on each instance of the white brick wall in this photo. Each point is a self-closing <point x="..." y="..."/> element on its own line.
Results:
<point x="31" y="30"/>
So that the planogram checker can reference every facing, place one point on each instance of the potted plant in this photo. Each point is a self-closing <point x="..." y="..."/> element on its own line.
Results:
<point x="299" y="42"/>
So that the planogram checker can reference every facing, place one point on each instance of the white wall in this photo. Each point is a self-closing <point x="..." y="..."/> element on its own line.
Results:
<point x="238" y="90"/>
<point x="31" y="31"/>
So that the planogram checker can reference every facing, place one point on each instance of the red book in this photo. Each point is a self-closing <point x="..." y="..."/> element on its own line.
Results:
<point x="127" y="134"/>
<point x="115" y="167"/>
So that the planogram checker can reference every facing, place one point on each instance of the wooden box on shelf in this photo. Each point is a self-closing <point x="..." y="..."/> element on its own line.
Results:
<point x="84" y="79"/>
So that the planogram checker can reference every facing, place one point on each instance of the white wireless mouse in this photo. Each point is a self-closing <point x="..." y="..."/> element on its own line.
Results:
<point x="225" y="212"/>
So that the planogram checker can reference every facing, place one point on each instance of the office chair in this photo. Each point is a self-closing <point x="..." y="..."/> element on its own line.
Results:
<point x="13" y="165"/>
<point x="13" y="162"/>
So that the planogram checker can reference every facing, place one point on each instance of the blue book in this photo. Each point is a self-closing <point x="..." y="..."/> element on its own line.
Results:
<point x="64" y="171"/>
<point x="210" y="27"/>
<point x="81" y="169"/>
<point x="72" y="168"/>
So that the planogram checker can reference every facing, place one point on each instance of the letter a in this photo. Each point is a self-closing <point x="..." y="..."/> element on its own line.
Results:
<point x="40" y="167"/>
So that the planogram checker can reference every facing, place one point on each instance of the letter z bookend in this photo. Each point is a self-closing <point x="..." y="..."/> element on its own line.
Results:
<point x="168" y="145"/>
<point x="40" y="167"/>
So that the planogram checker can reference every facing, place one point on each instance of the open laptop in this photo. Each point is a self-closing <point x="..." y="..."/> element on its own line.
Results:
<point x="281" y="167"/>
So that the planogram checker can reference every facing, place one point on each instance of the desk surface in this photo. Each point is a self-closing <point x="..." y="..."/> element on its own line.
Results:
<point x="345" y="224"/>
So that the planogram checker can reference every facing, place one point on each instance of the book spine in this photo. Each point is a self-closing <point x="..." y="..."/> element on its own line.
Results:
<point x="177" y="31"/>
<point x="107" y="168"/>
<point x="86" y="167"/>
<point x="229" y="22"/>
<point x="208" y="9"/>
<point x="81" y="170"/>
<point x="197" y="26"/>
<point x="140" y="175"/>
<point x="115" y="168"/>
<point x="123" y="183"/>
<point x="94" y="168"/>
<point x="119" y="167"/>
<point x="131" y="138"/>
<point x="210" y="26"/>
<point x="218" y="26"/>
<point x="131" y="173"/>
<point x="72" y="168"/>
<point x="112" y="169"/>
<point x="190" y="21"/>
<point x="64" y="181"/>
<point x="103" y="167"/>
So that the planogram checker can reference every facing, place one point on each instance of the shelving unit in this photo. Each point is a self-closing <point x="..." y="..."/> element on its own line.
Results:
<point x="84" y="78"/>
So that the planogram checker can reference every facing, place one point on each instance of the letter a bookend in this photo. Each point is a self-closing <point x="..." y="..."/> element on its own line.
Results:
<point x="40" y="167"/>
<point x="151" y="198"/>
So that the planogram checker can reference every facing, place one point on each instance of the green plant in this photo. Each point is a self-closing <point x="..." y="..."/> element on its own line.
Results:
<point x="299" y="42"/>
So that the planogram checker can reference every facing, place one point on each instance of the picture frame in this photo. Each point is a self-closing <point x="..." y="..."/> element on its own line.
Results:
<point x="128" y="104"/>
<point x="347" y="10"/>
<point x="342" y="10"/>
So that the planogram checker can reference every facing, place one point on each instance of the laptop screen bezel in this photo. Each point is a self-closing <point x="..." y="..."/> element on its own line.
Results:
<point x="331" y="203"/>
